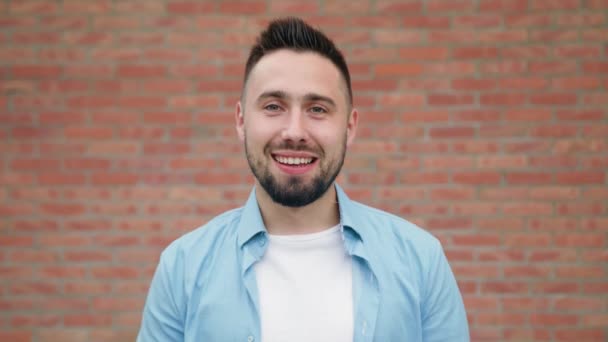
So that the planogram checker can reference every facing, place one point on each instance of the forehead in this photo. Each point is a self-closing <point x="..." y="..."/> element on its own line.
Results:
<point x="296" y="73"/>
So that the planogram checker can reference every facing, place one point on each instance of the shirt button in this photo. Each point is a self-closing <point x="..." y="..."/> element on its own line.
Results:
<point x="250" y="338"/>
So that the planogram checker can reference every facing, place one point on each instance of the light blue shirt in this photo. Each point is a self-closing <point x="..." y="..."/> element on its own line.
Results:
<point x="204" y="288"/>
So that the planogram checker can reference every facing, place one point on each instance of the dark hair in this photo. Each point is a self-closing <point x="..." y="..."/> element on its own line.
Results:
<point x="295" y="34"/>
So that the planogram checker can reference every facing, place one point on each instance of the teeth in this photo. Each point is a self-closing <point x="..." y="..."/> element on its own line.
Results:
<point x="293" y="161"/>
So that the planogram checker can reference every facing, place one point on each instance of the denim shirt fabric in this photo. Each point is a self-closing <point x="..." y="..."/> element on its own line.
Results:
<point x="204" y="288"/>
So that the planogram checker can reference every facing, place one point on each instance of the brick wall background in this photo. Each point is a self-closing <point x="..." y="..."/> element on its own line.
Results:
<point x="484" y="121"/>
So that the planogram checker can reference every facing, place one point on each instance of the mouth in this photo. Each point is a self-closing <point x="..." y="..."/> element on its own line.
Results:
<point x="293" y="161"/>
<point x="294" y="164"/>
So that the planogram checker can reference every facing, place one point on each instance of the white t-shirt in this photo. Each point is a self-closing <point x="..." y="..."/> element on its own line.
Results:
<point x="305" y="288"/>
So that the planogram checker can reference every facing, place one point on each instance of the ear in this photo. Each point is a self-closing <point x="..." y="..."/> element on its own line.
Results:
<point x="240" y="121"/>
<point x="351" y="126"/>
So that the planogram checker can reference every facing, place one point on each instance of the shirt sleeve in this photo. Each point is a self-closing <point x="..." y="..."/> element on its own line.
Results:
<point x="443" y="313"/>
<point x="162" y="318"/>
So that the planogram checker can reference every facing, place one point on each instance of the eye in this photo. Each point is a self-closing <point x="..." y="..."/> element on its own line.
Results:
<point x="318" y="110"/>
<point x="272" y="107"/>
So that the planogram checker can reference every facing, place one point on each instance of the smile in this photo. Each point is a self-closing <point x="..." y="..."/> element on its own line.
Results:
<point x="293" y="160"/>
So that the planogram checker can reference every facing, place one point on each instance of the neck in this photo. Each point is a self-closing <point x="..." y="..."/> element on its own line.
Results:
<point x="315" y="217"/>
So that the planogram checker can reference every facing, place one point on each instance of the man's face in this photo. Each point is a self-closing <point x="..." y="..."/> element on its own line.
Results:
<point x="296" y="125"/>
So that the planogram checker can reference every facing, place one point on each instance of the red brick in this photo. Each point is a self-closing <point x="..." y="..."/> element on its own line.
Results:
<point x="553" y="255"/>
<point x="347" y="7"/>
<point x="502" y="319"/>
<point x="581" y="177"/>
<point x="580" y="115"/>
<point x="438" y="99"/>
<point x="402" y="100"/>
<point x="15" y="335"/>
<point x="504" y="287"/>
<point x="476" y="271"/>
<point x="455" y="68"/>
<point x="424" y="177"/>
<point x="80" y="287"/>
<point x="596" y="4"/>
<point x="460" y="36"/>
<point x="189" y="7"/>
<point x="398" y="7"/>
<point x="503" y="5"/>
<point x="455" y="223"/>
<point x="473" y="84"/>
<point x="454" y="193"/>
<point x="423" y="53"/>
<point x="554" y="319"/>
<point x="62" y="272"/>
<point x="474" y="146"/>
<point x="527" y="272"/>
<point x="87" y="320"/>
<point x="438" y="6"/>
<point x="527" y="240"/>
<point x="141" y="71"/>
<point x="112" y="148"/>
<point x="57" y="178"/>
<point x="577" y="334"/>
<point x="578" y="51"/>
<point x="549" y="36"/>
<point x="553" y="99"/>
<point x="87" y="256"/>
<point x="116" y="272"/>
<point x="36" y="71"/>
<point x="87" y="132"/>
<point x="503" y="99"/>
<point x="595" y="67"/>
<point x="24" y="255"/>
<point x="78" y="7"/>
<point x="581" y="208"/>
<point x="553" y="67"/>
<point x="476" y="240"/>
<point x="33" y="164"/>
<point x="65" y="335"/>
<point x="401" y="69"/>
<point x="500" y="255"/>
<point x="117" y="240"/>
<point x="427" y="22"/>
<point x="554" y="192"/>
<point x="477" y="177"/>
<point x="477" y="21"/>
<point x="580" y="240"/>
<point x="508" y="36"/>
<point x="528" y="19"/>
<point x="527" y="52"/>
<point x="503" y="67"/>
<point x="580" y="19"/>
<point x="549" y="5"/>
<point x="35" y="288"/>
<point x="16" y="241"/>
<point x="596" y="99"/>
<point x="595" y="288"/>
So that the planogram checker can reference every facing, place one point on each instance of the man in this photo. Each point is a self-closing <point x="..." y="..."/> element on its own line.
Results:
<point x="300" y="261"/>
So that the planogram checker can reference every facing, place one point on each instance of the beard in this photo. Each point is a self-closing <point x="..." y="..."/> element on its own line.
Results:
<point x="295" y="192"/>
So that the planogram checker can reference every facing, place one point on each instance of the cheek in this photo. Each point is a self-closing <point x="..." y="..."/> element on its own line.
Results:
<point x="258" y="134"/>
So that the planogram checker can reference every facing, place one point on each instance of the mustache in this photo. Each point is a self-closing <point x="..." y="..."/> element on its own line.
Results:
<point x="290" y="145"/>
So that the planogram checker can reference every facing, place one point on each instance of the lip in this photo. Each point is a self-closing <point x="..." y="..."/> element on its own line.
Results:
<point x="292" y="169"/>
<point x="294" y="154"/>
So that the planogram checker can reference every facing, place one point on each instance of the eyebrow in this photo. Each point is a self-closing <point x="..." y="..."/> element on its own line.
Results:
<point x="311" y="97"/>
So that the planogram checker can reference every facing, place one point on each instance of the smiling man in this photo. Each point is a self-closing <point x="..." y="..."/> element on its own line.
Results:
<point x="301" y="261"/>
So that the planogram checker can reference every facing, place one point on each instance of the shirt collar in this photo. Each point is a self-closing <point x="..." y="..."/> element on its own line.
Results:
<point x="252" y="224"/>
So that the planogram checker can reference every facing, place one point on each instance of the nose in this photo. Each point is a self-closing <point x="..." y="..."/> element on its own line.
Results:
<point x="295" y="127"/>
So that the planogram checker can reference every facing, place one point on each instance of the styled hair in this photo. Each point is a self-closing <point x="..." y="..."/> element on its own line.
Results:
<point x="295" y="34"/>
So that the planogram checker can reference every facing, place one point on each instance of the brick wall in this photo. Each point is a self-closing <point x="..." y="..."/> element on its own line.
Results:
<point x="483" y="121"/>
